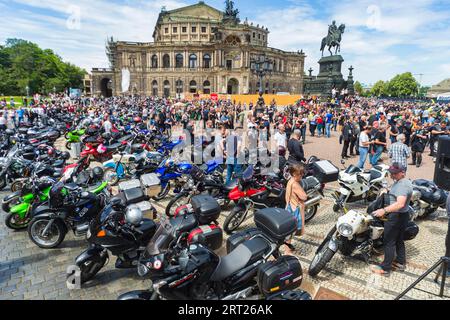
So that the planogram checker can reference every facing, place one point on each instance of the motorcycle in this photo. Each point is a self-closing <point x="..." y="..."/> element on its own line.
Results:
<point x="194" y="272"/>
<point x="199" y="182"/>
<point x="427" y="198"/>
<point x="74" y="137"/>
<point x="171" y="171"/>
<point x="356" y="184"/>
<point x="356" y="233"/>
<point x="68" y="208"/>
<point x="122" y="231"/>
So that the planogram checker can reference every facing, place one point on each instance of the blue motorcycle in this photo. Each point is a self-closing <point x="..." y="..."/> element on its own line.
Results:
<point x="169" y="173"/>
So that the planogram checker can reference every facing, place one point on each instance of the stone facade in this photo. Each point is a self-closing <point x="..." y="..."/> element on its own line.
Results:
<point x="197" y="49"/>
<point x="442" y="88"/>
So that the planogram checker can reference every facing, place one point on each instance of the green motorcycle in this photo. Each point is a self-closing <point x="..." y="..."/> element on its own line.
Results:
<point x="20" y="205"/>
<point x="74" y="137"/>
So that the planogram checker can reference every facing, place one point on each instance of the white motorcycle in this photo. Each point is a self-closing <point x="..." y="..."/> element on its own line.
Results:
<point x="356" y="233"/>
<point x="356" y="184"/>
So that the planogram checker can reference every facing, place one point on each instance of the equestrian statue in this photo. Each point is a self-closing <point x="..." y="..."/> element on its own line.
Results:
<point x="333" y="39"/>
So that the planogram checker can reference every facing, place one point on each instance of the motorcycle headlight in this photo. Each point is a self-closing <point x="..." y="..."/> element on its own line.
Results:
<point x="345" y="230"/>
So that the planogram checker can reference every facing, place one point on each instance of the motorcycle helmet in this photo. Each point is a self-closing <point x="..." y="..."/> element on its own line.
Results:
<point x="65" y="155"/>
<point x="101" y="149"/>
<point x="137" y="120"/>
<point x="134" y="215"/>
<point x="28" y="149"/>
<point x="411" y="231"/>
<point x="97" y="174"/>
<point x="9" y="132"/>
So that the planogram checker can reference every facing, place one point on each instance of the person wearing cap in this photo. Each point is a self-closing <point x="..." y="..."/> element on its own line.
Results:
<point x="397" y="215"/>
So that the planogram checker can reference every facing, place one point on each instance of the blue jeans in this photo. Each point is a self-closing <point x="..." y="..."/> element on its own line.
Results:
<point x="328" y="130"/>
<point x="232" y="167"/>
<point x="375" y="157"/>
<point x="363" y="152"/>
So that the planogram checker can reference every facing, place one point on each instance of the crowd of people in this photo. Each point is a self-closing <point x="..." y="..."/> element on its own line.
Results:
<point x="366" y="129"/>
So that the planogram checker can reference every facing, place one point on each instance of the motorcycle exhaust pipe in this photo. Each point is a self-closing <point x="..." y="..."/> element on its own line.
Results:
<point x="313" y="201"/>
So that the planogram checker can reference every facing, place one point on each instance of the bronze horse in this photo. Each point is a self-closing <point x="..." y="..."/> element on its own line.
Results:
<point x="331" y="43"/>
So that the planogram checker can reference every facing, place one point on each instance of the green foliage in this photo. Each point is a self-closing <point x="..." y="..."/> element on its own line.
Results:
<point x="402" y="85"/>
<point x="378" y="89"/>
<point x="359" y="88"/>
<point x="23" y="63"/>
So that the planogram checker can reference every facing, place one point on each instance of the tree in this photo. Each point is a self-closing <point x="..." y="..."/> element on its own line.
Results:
<point x="379" y="89"/>
<point x="23" y="63"/>
<point x="403" y="85"/>
<point x="359" y="88"/>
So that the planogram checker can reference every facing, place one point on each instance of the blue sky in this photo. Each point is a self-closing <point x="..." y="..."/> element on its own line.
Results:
<point x="382" y="38"/>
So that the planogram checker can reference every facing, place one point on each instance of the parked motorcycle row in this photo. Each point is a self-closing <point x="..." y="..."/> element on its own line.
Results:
<point x="179" y="250"/>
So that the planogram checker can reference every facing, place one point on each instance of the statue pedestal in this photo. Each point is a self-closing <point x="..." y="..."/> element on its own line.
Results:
<point x="329" y="77"/>
<point x="331" y="67"/>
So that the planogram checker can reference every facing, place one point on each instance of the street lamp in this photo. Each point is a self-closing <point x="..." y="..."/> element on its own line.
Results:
<point x="261" y="66"/>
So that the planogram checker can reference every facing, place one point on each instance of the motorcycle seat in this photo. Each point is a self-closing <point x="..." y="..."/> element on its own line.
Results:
<point x="184" y="223"/>
<point x="71" y="187"/>
<point x="133" y="196"/>
<point x="113" y="147"/>
<point x="232" y="184"/>
<point x="375" y="174"/>
<point x="58" y="163"/>
<point x="244" y="255"/>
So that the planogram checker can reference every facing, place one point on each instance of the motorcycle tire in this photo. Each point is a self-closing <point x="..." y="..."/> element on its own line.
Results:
<point x="16" y="186"/>
<point x="34" y="232"/>
<point x="164" y="192"/>
<point x="235" y="219"/>
<point x="9" y="222"/>
<point x="311" y="212"/>
<point x="3" y="183"/>
<point x="111" y="177"/>
<point x="88" y="272"/>
<point x="320" y="261"/>
<point x="69" y="146"/>
<point x="174" y="204"/>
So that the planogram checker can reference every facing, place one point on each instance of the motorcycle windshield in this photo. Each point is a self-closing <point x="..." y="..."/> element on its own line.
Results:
<point x="161" y="240"/>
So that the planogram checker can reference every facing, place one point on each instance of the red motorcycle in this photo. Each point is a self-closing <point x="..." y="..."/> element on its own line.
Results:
<point x="259" y="192"/>
<point x="253" y="192"/>
<point x="102" y="153"/>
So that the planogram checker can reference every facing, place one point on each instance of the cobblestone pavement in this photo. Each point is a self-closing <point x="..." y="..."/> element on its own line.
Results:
<point x="27" y="272"/>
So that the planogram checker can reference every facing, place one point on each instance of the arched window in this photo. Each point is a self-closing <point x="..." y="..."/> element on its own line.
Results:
<point x="207" y="87"/>
<point x="179" y="85"/>
<point x="166" y="89"/>
<point x="154" y="61"/>
<point x="207" y="61"/>
<point x="166" y="61"/>
<point x="179" y="61"/>
<point x="155" y="88"/>
<point x="193" y="87"/>
<point x="193" y="61"/>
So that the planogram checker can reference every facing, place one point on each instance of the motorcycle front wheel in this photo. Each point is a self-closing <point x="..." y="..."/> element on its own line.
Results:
<point x="164" y="192"/>
<point x="89" y="269"/>
<point x="320" y="260"/>
<point x="52" y="239"/>
<point x="178" y="201"/>
<point x="311" y="212"/>
<point x="111" y="176"/>
<point x="16" y="186"/>
<point x="235" y="219"/>
<point x="13" y="221"/>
